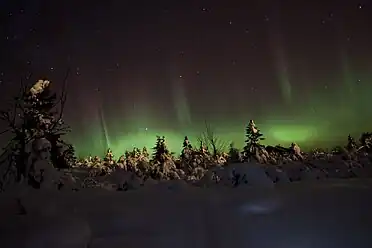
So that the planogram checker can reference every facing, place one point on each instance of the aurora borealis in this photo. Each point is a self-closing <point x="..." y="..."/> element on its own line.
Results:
<point x="302" y="71"/>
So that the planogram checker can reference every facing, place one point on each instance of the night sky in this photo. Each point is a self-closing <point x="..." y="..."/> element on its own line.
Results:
<point x="301" y="69"/>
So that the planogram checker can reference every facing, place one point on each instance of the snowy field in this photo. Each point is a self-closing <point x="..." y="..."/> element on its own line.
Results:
<point x="329" y="213"/>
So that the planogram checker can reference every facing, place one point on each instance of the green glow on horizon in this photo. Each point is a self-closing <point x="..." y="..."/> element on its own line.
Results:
<point x="292" y="133"/>
<point x="275" y="133"/>
<point x="324" y="120"/>
<point x="320" y="118"/>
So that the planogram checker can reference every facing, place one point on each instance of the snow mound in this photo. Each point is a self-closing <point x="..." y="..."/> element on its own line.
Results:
<point x="123" y="180"/>
<point x="237" y="174"/>
<point x="277" y="175"/>
<point x="302" y="213"/>
<point x="298" y="171"/>
<point x="250" y="174"/>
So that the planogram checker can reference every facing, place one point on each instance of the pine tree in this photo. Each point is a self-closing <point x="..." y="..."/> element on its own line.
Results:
<point x="145" y="153"/>
<point x="109" y="157"/>
<point x="161" y="152"/>
<point x="186" y="143"/>
<point x="37" y="113"/>
<point x="42" y="119"/>
<point x="187" y="148"/>
<point x="253" y="138"/>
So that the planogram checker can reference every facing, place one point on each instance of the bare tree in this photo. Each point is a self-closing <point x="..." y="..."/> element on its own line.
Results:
<point x="213" y="143"/>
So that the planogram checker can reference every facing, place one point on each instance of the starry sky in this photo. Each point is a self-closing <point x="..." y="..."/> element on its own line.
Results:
<point x="301" y="70"/>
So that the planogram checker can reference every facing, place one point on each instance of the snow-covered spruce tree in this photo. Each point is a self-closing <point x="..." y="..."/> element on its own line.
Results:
<point x="186" y="149"/>
<point x="45" y="119"/>
<point x="145" y="153"/>
<point x="252" y="143"/>
<point x="109" y="157"/>
<point x="143" y="162"/>
<point x="186" y="143"/>
<point x="161" y="152"/>
<point x="163" y="166"/>
<point x="131" y="159"/>
<point x="36" y="113"/>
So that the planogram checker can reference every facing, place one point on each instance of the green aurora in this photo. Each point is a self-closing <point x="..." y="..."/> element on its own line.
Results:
<point x="324" y="120"/>
<point x="314" y="116"/>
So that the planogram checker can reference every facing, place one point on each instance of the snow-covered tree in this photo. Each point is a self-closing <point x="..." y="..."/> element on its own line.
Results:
<point x="186" y="143"/>
<point x="36" y="113"/>
<point x="161" y="152"/>
<point x="186" y="149"/>
<point x="253" y="138"/>
<point x="145" y="153"/>
<point x="351" y="144"/>
<point x="109" y="157"/>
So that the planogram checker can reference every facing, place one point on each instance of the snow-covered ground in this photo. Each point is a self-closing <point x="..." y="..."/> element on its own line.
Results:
<point x="330" y="213"/>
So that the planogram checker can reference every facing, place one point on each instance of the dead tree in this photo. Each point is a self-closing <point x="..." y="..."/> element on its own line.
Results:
<point x="211" y="141"/>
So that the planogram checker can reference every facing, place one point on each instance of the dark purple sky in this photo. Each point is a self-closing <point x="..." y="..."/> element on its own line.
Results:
<point x="185" y="61"/>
